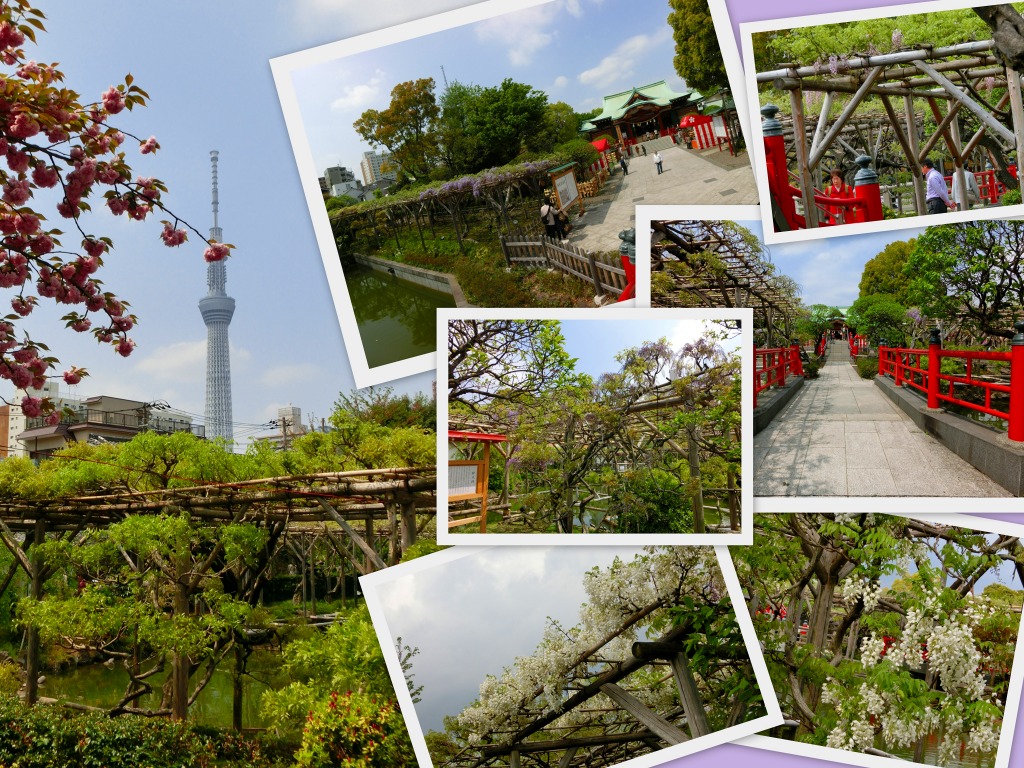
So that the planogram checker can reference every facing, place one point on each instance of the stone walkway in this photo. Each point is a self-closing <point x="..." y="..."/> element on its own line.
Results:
<point x="841" y="436"/>
<point x="689" y="178"/>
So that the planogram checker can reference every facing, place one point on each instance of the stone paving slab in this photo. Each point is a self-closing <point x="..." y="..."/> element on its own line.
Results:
<point x="598" y="229"/>
<point x="840" y="436"/>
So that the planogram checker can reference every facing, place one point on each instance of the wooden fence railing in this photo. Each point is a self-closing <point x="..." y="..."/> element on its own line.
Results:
<point x="523" y="249"/>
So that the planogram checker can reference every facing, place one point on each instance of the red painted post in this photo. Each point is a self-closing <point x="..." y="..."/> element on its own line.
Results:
<point x="796" y="364"/>
<point x="775" y="159"/>
<point x="1015" y="427"/>
<point x="867" y="191"/>
<point x="629" y="267"/>
<point x="881" y="360"/>
<point x="934" y="367"/>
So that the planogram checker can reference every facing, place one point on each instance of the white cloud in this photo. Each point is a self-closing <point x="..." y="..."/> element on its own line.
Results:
<point x="620" y="63"/>
<point x="356" y="97"/>
<point x="561" y="81"/>
<point x="285" y="376"/>
<point x="522" y="34"/>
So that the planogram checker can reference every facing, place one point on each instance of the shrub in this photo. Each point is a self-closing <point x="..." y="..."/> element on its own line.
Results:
<point x="48" y="737"/>
<point x="1010" y="197"/>
<point x="867" y="367"/>
<point x="652" y="501"/>
<point x="811" y="368"/>
<point x="354" y="730"/>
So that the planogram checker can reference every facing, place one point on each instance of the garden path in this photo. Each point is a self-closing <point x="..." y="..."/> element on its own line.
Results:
<point x="690" y="178"/>
<point x="841" y="436"/>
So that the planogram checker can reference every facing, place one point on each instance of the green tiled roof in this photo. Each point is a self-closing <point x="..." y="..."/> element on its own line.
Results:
<point x="618" y="104"/>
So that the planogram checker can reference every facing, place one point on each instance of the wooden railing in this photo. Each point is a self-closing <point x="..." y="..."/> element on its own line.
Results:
<point x="859" y="344"/>
<point x="530" y="250"/>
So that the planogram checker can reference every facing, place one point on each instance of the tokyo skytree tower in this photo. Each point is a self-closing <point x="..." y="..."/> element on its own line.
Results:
<point x="217" y="308"/>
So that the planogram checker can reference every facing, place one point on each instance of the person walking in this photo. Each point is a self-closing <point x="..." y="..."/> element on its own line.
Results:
<point x="963" y="201"/>
<point x="936" y="199"/>
<point x="624" y="164"/>
<point x="657" y="162"/>
<point x="549" y="217"/>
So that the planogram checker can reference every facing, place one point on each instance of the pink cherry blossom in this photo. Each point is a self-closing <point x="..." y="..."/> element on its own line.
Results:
<point x="23" y="306"/>
<point x="31" y="406"/>
<point x="16" y="192"/>
<point x="149" y="145"/>
<point x="173" y="237"/>
<point x="73" y="376"/>
<point x="17" y="161"/>
<point x="23" y="127"/>
<point x="45" y="176"/>
<point x="216" y="252"/>
<point x="125" y="347"/>
<point x="113" y="100"/>
<point x="81" y="325"/>
<point x="20" y="377"/>
<point x="117" y="205"/>
<point x="52" y="419"/>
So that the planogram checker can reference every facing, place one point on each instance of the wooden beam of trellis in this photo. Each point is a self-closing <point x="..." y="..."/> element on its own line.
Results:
<point x="369" y="551"/>
<point x="659" y="725"/>
<point x="844" y="116"/>
<point x="979" y="111"/>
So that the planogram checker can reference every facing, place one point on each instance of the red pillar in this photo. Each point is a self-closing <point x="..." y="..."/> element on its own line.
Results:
<point x="867" y="191"/>
<point x="796" y="365"/>
<point x="778" y="168"/>
<point x="934" y="367"/>
<point x="629" y="267"/>
<point x="1015" y="428"/>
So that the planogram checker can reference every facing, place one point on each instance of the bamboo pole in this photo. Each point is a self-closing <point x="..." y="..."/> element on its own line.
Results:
<point x="796" y="100"/>
<point x="1016" y="112"/>
<point x="946" y="135"/>
<point x="844" y="116"/>
<point x="919" y="200"/>
<point x="995" y="126"/>
<point x="819" y="130"/>
<point x="940" y="130"/>
<point x="888" y="59"/>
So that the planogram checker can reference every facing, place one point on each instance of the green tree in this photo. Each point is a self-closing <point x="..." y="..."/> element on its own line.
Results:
<point x="560" y="124"/>
<point x="406" y="128"/>
<point x="879" y="316"/>
<point x="504" y="119"/>
<point x="698" y="58"/>
<point x="884" y="273"/>
<point x="972" y="273"/>
<point x="817" y="319"/>
<point x="510" y="360"/>
<point x="337" y="203"/>
<point x="460" y="149"/>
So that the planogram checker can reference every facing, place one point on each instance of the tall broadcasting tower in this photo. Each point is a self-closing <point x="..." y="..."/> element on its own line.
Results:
<point x="217" y="308"/>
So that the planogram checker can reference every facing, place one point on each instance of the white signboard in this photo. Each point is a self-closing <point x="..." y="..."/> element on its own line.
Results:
<point x="719" y="123"/>
<point x="462" y="479"/>
<point x="565" y="186"/>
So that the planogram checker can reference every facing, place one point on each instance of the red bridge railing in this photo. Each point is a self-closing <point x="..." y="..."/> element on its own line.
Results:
<point x="921" y="369"/>
<point x="773" y="366"/>
<point x="990" y="189"/>
<point x="858" y="344"/>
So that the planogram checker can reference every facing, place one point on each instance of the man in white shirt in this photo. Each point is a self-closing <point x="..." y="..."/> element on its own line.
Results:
<point x="936" y="198"/>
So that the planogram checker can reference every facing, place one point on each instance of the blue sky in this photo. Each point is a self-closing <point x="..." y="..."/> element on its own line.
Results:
<point x="205" y="66"/>
<point x="576" y="51"/>
<point x="829" y="270"/>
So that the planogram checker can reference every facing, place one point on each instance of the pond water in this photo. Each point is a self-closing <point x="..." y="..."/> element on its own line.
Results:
<point x="100" y="686"/>
<point x="396" y="318"/>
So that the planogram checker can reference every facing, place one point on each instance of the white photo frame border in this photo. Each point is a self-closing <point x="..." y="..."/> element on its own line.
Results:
<point x="746" y="318"/>
<point x="1013" y="694"/>
<point x="645" y="214"/>
<point x="282" y="68"/>
<point x="771" y="718"/>
<point x="756" y="146"/>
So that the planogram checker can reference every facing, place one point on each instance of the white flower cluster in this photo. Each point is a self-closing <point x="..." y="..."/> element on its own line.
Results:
<point x="659" y="578"/>
<point x="946" y="640"/>
<point x="870" y="591"/>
